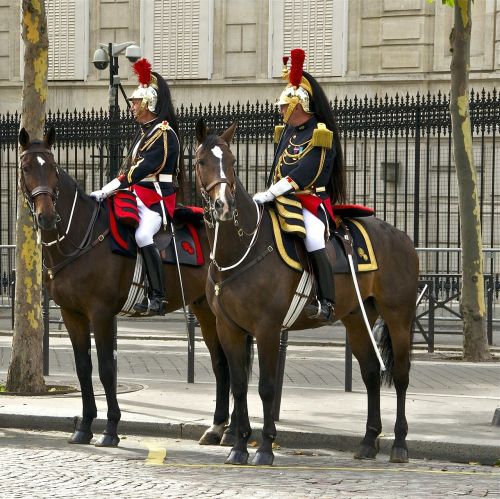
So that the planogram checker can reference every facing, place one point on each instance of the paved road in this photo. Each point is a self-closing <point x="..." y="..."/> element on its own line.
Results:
<point x="42" y="465"/>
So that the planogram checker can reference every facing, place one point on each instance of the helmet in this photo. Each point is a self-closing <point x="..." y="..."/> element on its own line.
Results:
<point x="298" y="90"/>
<point x="147" y="90"/>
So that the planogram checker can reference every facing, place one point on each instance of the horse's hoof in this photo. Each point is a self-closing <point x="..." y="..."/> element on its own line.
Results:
<point x="81" y="437"/>
<point x="237" y="457"/>
<point x="106" y="440"/>
<point x="210" y="438"/>
<point x="227" y="440"/>
<point x="366" y="452"/>
<point x="262" y="458"/>
<point x="399" y="455"/>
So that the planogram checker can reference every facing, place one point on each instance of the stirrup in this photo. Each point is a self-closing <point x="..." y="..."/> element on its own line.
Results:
<point x="321" y="314"/>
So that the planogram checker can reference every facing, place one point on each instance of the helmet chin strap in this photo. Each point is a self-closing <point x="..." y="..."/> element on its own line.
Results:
<point x="291" y="106"/>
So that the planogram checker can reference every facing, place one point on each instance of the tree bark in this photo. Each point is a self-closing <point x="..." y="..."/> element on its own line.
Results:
<point x="472" y="305"/>
<point x="25" y="373"/>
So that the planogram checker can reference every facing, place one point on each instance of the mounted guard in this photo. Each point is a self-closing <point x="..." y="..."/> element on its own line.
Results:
<point x="308" y="174"/>
<point x="153" y="172"/>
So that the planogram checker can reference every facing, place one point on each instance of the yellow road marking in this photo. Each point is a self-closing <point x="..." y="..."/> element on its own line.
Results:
<point x="336" y="468"/>
<point x="156" y="455"/>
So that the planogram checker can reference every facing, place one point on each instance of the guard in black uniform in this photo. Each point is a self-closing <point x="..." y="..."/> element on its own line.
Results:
<point x="308" y="167"/>
<point x="152" y="173"/>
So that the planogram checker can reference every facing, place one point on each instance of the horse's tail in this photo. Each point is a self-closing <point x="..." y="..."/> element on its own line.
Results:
<point x="250" y="356"/>
<point x="387" y="353"/>
<point x="385" y="346"/>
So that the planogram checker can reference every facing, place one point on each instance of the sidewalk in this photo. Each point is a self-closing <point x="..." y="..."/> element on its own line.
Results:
<point x="450" y="404"/>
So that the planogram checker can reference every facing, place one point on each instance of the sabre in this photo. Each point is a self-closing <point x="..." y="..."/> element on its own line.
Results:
<point x="368" y="328"/>
<point x="180" y="282"/>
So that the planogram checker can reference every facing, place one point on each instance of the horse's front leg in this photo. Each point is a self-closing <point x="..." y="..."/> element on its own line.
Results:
<point x="216" y="432"/>
<point x="103" y="334"/>
<point x="235" y="344"/>
<point x="78" y="330"/>
<point x="268" y="348"/>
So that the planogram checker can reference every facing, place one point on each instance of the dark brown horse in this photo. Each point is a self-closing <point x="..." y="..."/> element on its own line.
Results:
<point x="250" y="290"/>
<point x="73" y="244"/>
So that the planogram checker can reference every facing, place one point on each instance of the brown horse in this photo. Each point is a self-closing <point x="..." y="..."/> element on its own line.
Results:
<point x="74" y="244"/>
<point x="250" y="290"/>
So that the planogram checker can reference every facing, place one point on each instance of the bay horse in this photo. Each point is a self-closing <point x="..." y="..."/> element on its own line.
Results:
<point x="92" y="283"/>
<point x="250" y="289"/>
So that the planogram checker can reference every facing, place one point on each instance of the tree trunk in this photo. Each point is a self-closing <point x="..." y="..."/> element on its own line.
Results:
<point x="472" y="304"/>
<point x="25" y="373"/>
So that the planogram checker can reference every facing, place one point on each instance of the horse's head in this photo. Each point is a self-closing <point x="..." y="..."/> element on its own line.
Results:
<point x="215" y="177"/>
<point x="39" y="178"/>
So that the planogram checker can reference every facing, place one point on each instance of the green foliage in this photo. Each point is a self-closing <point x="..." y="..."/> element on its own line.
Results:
<point x="450" y="3"/>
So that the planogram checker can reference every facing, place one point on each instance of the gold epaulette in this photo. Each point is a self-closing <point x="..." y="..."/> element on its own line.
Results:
<point x="322" y="137"/>
<point x="164" y="125"/>
<point x="278" y="130"/>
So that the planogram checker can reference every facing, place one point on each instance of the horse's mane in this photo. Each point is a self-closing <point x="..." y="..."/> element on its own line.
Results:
<point x="74" y="182"/>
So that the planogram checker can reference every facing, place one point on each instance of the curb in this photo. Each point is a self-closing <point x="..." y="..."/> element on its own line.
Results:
<point x="418" y="449"/>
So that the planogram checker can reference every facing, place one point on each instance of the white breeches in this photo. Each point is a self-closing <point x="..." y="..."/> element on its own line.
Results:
<point x="315" y="231"/>
<point x="149" y="225"/>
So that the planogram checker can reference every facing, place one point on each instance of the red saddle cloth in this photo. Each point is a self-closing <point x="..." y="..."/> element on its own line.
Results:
<point x="352" y="210"/>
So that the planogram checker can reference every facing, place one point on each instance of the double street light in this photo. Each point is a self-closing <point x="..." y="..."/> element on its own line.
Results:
<point x="107" y="55"/>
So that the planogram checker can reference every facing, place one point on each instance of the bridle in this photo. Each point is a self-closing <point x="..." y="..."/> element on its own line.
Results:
<point x="41" y="189"/>
<point x="211" y="221"/>
<point x="54" y="194"/>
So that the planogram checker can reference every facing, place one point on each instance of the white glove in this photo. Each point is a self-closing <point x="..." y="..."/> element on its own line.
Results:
<point x="281" y="187"/>
<point x="99" y="195"/>
<point x="263" y="197"/>
<point x="107" y="190"/>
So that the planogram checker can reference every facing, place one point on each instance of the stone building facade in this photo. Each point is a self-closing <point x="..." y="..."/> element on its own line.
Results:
<point x="230" y="50"/>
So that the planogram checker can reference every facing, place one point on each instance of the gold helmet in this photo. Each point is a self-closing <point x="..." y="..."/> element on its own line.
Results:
<point x="147" y="90"/>
<point x="298" y="90"/>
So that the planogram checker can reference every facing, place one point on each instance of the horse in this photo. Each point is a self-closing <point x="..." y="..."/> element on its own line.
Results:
<point x="249" y="288"/>
<point x="73" y="227"/>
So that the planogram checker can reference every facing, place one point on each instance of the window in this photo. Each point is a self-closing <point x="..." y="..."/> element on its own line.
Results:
<point x="67" y="22"/>
<point x="177" y="37"/>
<point x="317" y="26"/>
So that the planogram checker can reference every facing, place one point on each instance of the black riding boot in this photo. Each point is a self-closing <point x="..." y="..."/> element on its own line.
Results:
<point x="323" y="273"/>
<point x="155" y="305"/>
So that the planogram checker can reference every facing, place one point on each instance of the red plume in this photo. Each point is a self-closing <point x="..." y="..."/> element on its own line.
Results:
<point x="285" y="60"/>
<point x="142" y="68"/>
<point x="298" y="57"/>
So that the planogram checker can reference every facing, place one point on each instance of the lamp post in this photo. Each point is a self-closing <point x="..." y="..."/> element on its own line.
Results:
<point x="107" y="55"/>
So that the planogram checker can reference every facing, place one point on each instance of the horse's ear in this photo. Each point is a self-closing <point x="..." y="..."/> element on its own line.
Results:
<point x="50" y="137"/>
<point x="201" y="130"/>
<point x="228" y="135"/>
<point x="24" y="138"/>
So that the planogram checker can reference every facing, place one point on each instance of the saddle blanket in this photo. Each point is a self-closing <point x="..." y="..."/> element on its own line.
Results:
<point x="364" y="257"/>
<point x="187" y="223"/>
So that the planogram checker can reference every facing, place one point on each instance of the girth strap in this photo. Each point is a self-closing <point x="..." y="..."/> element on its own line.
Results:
<point x="251" y="263"/>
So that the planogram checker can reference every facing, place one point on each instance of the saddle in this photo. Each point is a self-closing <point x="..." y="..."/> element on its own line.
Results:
<point x="187" y="222"/>
<point x="347" y="235"/>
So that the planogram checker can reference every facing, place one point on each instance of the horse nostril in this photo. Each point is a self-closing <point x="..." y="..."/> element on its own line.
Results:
<point x="218" y="204"/>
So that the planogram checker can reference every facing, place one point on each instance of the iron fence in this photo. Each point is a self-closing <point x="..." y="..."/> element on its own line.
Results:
<point x="398" y="153"/>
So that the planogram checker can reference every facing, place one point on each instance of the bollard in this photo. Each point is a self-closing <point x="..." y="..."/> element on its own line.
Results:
<point x="280" y="372"/>
<point x="191" y="321"/>
<point x="46" y="331"/>
<point x="348" y="366"/>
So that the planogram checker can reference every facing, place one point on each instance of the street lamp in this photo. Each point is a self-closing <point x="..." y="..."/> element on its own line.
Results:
<point x="106" y="55"/>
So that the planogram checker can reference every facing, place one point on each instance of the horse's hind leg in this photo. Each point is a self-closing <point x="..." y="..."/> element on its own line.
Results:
<point x="215" y="433"/>
<point x="396" y="342"/>
<point x="78" y="330"/>
<point x="103" y="334"/>
<point x="370" y="372"/>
